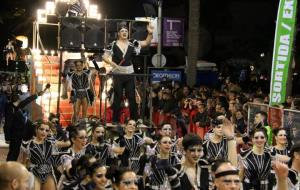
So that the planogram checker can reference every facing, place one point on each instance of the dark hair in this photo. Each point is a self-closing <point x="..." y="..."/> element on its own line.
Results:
<point x="262" y="113"/>
<point x="95" y="126"/>
<point x="159" y="137"/>
<point x="276" y="131"/>
<point x="115" y="174"/>
<point x="92" y="169"/>
<point x="295" y="148"/>
<point x="127" y="120"/>
<point x="80" y="167"/>
<point x="78" y="61"/>
<point x="190" y="140"/>
<point x="38" y="124"/>
<point x="263" y="130"/>
<point x="74" y="131"/>
<point x="165" y="123"/>
<point x="122" y="25"/>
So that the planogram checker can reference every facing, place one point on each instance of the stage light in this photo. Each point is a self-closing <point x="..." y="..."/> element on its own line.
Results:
<point x="86" y="4"/>
<point x="24" y="88"/>
<point x="41" y="79"/>
<point x="126" y="103"/>
<point x="24" y="39"/>
<point x="93" y="11"/>
<point x="99" y="16"/>
<point x="63" y="1"/>
<point x="50" y="7"/>
<point x="41" y="16"/>
<point x="38" y="71"/>
<point x="46" y="52"/>
<point x="52" y="52"/>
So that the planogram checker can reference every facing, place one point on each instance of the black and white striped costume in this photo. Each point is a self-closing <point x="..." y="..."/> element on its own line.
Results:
<point x="131" y="156"/>
<point x="274" y="151"/>
<point x="41" y="158"/>
<point x="213" y="151"/>
<point x="77" y="7"/>
<point x="102" y="152"/>
<point x="173" y="147"/>
<point x="80" y="85"/>
<point x="66" y="160"/>
<point x="202" y="176"/>
<point x="284" y="152"/>
<point x="160" y="179"/>
<point x="257" y="169"/>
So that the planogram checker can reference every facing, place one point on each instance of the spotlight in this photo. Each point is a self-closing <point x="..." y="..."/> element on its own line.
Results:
<point x="24" y="88"/>
<point x="126" y="103"/>
<point x="50" y="7"/>
<point x="41" y="16"/>
<point x="24" y="39"/>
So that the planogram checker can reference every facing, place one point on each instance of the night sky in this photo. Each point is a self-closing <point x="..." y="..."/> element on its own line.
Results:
<point x="229" y="28"/>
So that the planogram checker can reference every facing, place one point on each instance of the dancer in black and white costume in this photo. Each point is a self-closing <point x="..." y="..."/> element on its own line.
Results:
<point x="160" y="170"/>
<point x="78" y="138"/>
<point x="255" y="166"/>
<point x="40" y="155"/>
<point x="216" y="147"/>
<point x="82" y="94"/>
<point x="120" y="58"/>
<point x="129" y="146"/>
<point x="98" y="147"/>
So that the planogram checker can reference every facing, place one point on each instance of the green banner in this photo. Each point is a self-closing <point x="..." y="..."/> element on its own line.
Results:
<point x="282" y="53"/>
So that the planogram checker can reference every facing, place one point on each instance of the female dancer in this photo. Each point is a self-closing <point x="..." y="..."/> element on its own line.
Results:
<point x="281" y="142"/>
<point x="98" y="176"/>
<point x="123" y="178"/>
<point x="81" y="94"/>
<point x="39" y="151"/>
<point x="10" y="51"/>
<point x="161" y="171"/>
<point x="221" y="144"/>
<point x="101" y="150"/>
<point x="166" y="130"/>
<point x="78" y="138"/>
<point x="129" y="146"/>
<point x="280" y="150"/>
<point x="255" y="163"/>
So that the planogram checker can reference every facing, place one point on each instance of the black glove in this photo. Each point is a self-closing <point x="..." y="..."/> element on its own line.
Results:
<point x="163" y="164"/>
<point x="246" y="139"/>
<point x="122" y="142"/>
<point x="73" y="170"/>
<point x="170" y="171"/>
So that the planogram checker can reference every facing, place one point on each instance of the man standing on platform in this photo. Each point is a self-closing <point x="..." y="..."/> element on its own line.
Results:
<point x="121" y="56"/>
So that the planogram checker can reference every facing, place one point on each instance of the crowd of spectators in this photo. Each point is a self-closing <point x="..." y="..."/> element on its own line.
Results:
<point x="198" y="139"/>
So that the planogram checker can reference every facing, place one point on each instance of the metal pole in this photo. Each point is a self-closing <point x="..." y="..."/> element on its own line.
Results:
<point x="59" y="82"/>
<point x="37" y="33"/>
<point x="100" y="94"/>
<point x="159" y="31"/>
<point x="145" y="89"/>
<point x="33" y="34"/>
<point x="105" y="99"/>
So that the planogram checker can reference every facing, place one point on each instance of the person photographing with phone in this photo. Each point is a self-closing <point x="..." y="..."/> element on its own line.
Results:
<point x="15" y="122"/>
<point x="120" y="57"/>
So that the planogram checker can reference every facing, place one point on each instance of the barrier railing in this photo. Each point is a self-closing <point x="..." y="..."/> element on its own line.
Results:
<point x="277" y="117"/>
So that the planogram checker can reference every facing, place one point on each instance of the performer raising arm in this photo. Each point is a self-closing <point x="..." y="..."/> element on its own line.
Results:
<point x="121" y="56"/>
